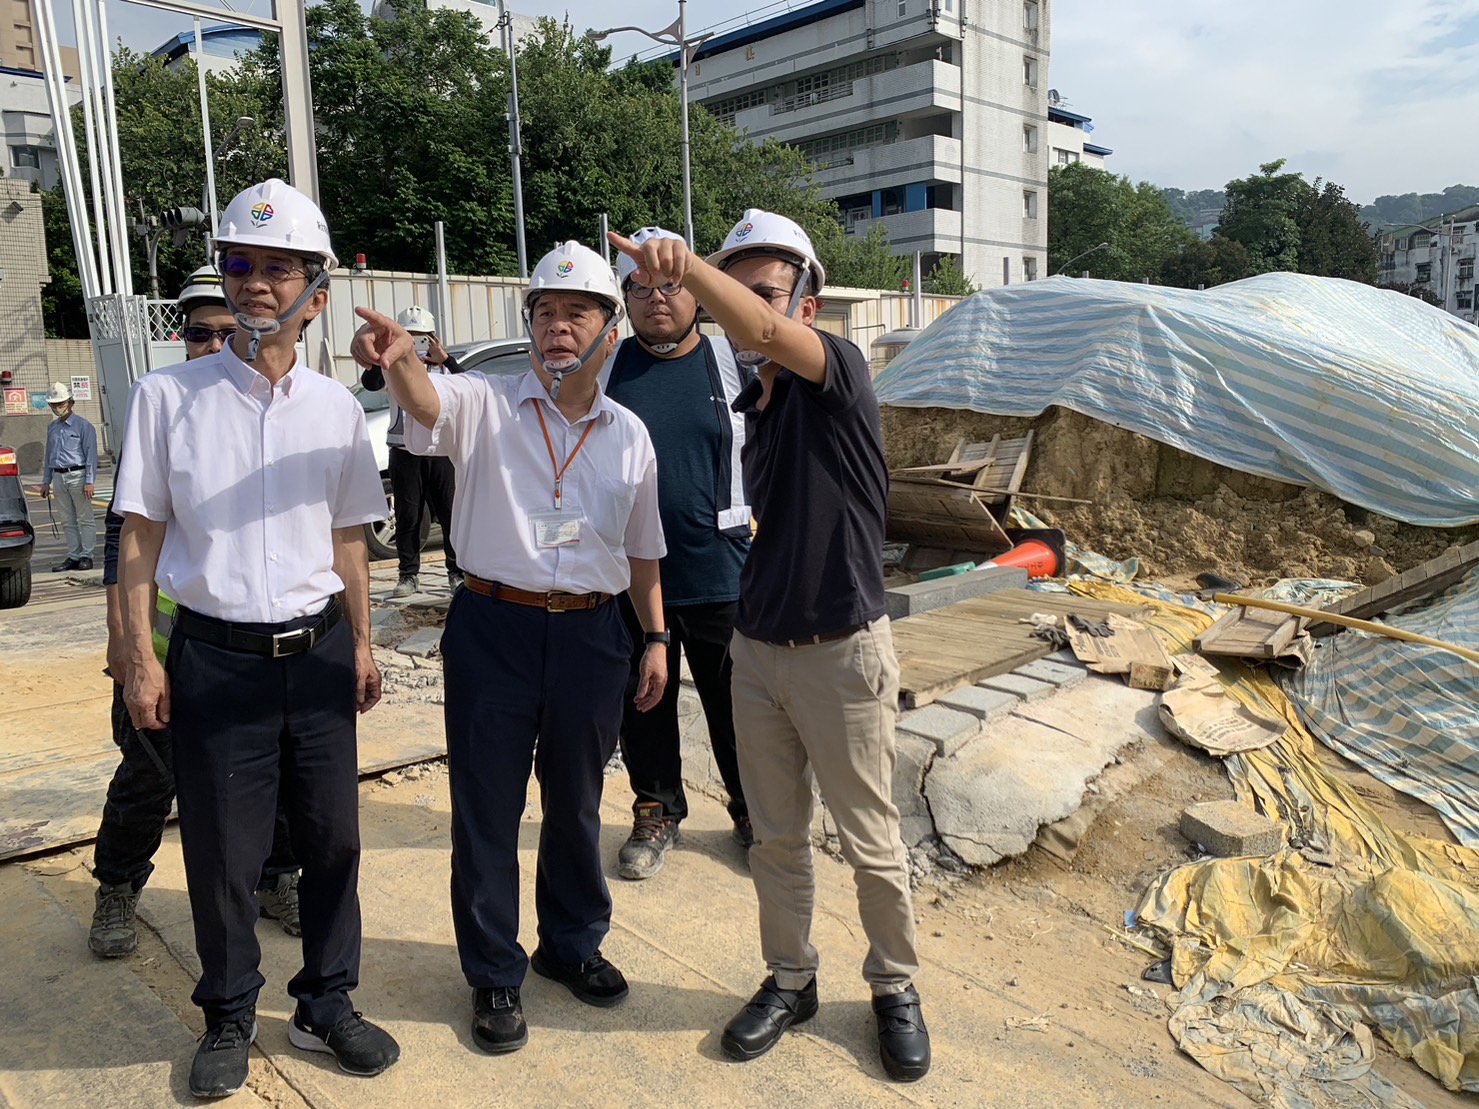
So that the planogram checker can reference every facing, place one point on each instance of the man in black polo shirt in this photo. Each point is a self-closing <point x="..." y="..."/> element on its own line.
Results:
<point x="815" y="676"/>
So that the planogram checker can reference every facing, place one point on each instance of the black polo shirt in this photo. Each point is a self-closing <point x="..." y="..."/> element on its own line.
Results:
<point x="815" y="476"/>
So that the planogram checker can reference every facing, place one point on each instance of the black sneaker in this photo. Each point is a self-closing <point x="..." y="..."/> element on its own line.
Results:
<point x="362" y="1048"/>
<point x="112" y="933"/>
<point x="641" y="856"/>
<point x="220" y="1066"/>
<point x="498" y="1020"/>
<point x="279" y="902"/>
<point x="595" y="981"/>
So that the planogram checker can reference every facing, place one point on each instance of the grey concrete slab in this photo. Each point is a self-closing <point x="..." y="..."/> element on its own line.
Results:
<point x="1054" y="673"/>
<point x="386" y="626"/>
<point x="1029" y="689"/>
<point x="922" y="596"/>
<point x="423" y="643"/>
<point x="947" y="728"/>
<point x="1032" y="768"/>
<point x="912" y="764"/>
<point x="987" y="704"/>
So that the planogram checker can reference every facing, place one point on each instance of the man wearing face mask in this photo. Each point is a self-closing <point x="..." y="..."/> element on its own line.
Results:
<point x="681" y="384"/>
<point x="418" y="484"/>
<point x="816" y="681"/>
<point x="558" y="488"/>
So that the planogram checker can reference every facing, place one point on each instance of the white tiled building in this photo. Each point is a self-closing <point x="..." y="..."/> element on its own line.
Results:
<point x="928" y="116"/>
<point x="1068" y="138"/>
<point x="1440" y="255"/>
<point x="30" y="136"/>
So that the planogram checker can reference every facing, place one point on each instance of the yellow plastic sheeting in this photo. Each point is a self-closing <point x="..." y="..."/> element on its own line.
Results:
<point x="1382" y="925"/>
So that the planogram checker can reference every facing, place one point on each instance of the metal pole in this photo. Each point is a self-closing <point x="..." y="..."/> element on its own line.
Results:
<point x="515" y="144"/>
<point x="683" y="96"/>
<point x="916" y="303"/>
<point x="297" y="99"/>
<point x="88" y="81"/>
<point x="605" y="245"/>
<point x="444" y="288"/>
<point x="205" y="127"/>
<point x="61" y="115"/>
<point x="125" y="280"/>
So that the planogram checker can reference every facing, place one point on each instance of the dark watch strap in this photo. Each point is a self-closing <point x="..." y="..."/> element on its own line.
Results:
<point x="657" y="637"/>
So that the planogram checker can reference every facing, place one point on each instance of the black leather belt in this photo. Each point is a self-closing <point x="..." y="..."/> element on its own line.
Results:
<point x="829" y="637"/>
<point x="295" y="636"/>
<point x="67" y="469"/>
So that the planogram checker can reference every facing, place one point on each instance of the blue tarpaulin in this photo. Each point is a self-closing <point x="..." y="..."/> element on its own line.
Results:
<point x="1367" y="394"/>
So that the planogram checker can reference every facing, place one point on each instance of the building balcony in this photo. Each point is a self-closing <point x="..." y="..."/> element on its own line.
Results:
<point x="929" y="230"/>
<point x="925" y="88"/>
<point x="928" y="158"/>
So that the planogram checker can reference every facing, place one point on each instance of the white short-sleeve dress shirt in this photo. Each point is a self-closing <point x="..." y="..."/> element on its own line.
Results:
<point x="490" y="429"/>
<point x="250" y="481"/>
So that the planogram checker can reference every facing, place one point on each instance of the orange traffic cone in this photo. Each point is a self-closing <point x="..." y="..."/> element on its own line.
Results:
<point x="1039" y="552"/>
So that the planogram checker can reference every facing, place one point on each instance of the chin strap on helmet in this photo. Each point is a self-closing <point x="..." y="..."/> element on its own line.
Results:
<point x="754" y="359"/>
<point x="664" y="349"/>
<point x="262" y="325"/>
<point x="557" y="368"/>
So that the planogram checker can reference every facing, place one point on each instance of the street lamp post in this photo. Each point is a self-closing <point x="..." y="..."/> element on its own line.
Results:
<point x="675" y="34"/>
<point x="1076" y="257"/>
<point x="1445" y="258"/>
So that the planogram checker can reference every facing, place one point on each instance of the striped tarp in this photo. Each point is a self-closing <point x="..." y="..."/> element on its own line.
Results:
<point x="1370" y="395"/>
<point x="1407" y="713"/>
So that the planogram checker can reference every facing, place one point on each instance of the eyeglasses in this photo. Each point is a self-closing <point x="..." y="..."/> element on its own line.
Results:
<point x="206" y="334"/>
<point x="769" y="292"/>
<point x="275" y="273"/>
<point x="644" y="292"/>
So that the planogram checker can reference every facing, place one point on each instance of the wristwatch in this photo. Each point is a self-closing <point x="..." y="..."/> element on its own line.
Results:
<point x="657" y="637"/>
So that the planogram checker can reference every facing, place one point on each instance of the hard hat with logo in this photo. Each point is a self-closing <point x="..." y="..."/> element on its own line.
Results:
<point x="625" y="267"/>
<point x="60" y="393"/>
<point x="276" y="215"/>
<point x="766" y="233"/>
<point x="202" y="287"/>
<point x="572" y="268"/>
<point x="417" y="319"/>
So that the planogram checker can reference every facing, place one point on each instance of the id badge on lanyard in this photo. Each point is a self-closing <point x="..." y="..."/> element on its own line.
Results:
<point x="561" y="525"/>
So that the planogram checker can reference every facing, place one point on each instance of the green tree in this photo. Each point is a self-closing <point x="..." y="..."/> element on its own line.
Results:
<point x="61" y="298"/>
<point x="859" y="261"/>
<point x="1199" y="263"/>
<point x="1333" y="239"/>
<point x="1263" y="213"/>
<point x="946" y="278"/>
<point x="1088" y="206"/>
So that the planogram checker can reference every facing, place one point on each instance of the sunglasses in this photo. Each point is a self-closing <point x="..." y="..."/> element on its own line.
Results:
<point x="234" y="265"/>
<point x="206" y="334"/>
<point x="644" y="292"/>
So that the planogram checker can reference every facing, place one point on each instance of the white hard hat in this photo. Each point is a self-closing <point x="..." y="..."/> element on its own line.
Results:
<point x="202" y="287"/>
<point x="572" y="268"/>
<point x="60" y="393"/>
<point x="416" y="318"/>
<point x="625" y="267"/>
<point x="274" y="214"/>
<point x="761" y="232"/>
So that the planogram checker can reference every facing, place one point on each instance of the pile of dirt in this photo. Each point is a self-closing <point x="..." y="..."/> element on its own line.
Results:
<point x="1177" y="513"/>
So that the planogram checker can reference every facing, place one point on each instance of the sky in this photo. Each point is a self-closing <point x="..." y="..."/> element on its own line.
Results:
<point x="1376" y="95"/>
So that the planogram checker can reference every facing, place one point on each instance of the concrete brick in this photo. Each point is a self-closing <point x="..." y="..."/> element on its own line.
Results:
<point x="1029" y="689"/>
<point x="386" y="626"/>
<point x="423" y="643"/>
<point x="914" y="758"/>
<point x="984" y="703"/>
<point x="922" y="596"/>
<point x="1054" y="673"/>
<point x="1230" y="830"/>
<point x="946" y="728"/>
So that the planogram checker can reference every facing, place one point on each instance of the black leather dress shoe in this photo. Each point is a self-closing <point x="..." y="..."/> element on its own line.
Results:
<point x="903" y="1040"/>
<point x="64" y="565"/>
<point x="498" y="1020"/>
<point x="595" y="981"/>
<point x="771" y="1011"/>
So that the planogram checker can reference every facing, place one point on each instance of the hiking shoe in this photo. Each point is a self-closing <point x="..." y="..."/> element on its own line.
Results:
<point x="498" y="1020"/>
<point x="220" y="1066"/>
<point x="595" y="981"/>
<point x="279" y="902"/>
<point x="362" y="1048"/>
<point x="112" y="933"/>
<point x="408" y="585"/>
<point x="744" y="832"/>
<point x="642" y="854"/>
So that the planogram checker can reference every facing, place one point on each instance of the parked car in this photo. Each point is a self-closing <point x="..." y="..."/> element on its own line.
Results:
<point x="499" y="357"/>
<point x="17" y="538"/>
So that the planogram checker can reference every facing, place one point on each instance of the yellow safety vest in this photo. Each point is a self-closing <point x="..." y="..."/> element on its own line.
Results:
<point x="164" y="622"/>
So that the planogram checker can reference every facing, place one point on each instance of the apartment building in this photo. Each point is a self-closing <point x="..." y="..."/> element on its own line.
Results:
<point x="929" y="117"/>
<point x="1440" y="256"/>
<point x="1068" y="136"/>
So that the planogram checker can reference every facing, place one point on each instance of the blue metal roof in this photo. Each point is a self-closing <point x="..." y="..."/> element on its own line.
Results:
<point x="1102" y="151"/>
<point x="812" y="13"/>
<point x="12" y="71"/>
<point x="172" y="47"/>
<point x="1067" y="116"/>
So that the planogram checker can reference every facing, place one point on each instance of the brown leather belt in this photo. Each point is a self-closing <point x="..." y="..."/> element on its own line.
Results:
<point x="550" y="602"/>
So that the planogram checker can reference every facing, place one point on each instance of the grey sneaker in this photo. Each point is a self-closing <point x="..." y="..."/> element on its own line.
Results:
<point x="279" y="901"/>
<point x="641" y="856"/>
<point x="112" y="933"/>
<point x="407" y="586"/>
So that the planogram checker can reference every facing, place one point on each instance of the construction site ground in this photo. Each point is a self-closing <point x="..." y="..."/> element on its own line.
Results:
<point x="1033" y="995"/>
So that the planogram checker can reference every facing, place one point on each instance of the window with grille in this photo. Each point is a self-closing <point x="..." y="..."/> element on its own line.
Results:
<point x="818" y="150"/>
<point x="725" y="109"/>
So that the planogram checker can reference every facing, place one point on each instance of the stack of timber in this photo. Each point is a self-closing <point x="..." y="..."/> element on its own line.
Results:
<point x="959" y="504"/>
<point x="1425" y="580"/>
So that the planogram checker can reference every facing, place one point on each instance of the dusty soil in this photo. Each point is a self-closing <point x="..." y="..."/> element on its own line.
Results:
<point x="1178" y="514"/>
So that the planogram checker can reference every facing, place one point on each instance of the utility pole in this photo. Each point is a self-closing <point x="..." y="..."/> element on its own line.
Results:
<point x="515" y="143"/>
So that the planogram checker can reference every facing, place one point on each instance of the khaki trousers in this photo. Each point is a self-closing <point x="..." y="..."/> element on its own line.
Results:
<point x="824" y="712"/>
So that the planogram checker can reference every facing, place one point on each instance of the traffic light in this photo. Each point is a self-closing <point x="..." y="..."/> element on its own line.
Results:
<point x="182" y="220"/>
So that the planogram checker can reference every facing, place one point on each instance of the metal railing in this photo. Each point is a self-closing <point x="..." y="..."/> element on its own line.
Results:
<point x="807" y="99"/>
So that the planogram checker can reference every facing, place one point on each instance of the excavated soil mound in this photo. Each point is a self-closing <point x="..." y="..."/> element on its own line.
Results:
<point x="1177" y="513"/>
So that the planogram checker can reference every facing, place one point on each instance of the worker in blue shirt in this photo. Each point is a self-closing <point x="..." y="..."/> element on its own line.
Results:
<point x="72" y="460"/>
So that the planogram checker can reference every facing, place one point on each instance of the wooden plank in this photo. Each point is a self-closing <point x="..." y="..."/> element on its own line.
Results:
<point x="1249" y="633"/>
<point x="1424" y="580"/>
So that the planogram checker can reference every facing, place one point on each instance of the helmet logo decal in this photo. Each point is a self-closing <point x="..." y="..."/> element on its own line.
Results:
<point x="261" y="213"/>
<point x="742" y="233"/>
<point x="564" y="268"/>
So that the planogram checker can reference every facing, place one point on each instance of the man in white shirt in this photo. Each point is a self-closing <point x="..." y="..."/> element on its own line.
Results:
<point x="556" y="512"/>
<point x="245" y="485"/>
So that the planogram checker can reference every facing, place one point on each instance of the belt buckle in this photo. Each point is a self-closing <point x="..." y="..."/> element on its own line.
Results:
<point x="549" y="603"/>
<point x="292" y="638"/>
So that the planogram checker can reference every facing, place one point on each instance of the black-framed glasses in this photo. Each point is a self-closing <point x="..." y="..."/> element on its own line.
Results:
<point x="206" y="334"/>
<point x="275" y="273"/>
<point x="771" y="293"/>
<point x="644" y="292"/>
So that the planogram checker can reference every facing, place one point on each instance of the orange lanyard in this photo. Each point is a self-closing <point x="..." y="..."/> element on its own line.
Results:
<point x="558" y="469"/>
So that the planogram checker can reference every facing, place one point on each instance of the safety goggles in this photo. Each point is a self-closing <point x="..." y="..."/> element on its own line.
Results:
<point x="275" y="273"/>
<point x="206" y="334"/>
